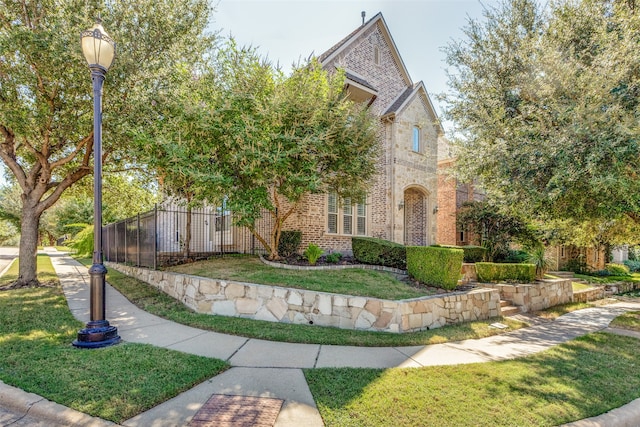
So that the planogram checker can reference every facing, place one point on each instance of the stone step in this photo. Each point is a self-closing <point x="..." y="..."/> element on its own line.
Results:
<point x="562" y="274"/>
<point x="509" y="310"/>
<point x="505" y="303"/>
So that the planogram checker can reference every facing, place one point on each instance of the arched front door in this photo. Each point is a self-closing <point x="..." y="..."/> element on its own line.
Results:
<point x="416" y="217"/>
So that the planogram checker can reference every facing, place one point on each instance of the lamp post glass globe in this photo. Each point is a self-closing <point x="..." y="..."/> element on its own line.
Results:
<point x="99" y="50"/>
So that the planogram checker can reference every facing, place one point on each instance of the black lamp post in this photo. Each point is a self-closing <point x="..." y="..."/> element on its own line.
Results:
<point x="99" y="49"/>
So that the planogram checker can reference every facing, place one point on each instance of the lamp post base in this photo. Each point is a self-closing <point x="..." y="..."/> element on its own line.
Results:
<point x="97" y="334"/>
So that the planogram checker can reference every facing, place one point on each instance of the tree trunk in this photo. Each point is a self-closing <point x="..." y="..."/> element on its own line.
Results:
<point x="187" y="243"/>
<point x="28" y="246"/>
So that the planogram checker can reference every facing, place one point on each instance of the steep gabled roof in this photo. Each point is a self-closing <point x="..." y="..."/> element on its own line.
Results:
<point x="406" y="97"/>
<point x="343" y="44"/>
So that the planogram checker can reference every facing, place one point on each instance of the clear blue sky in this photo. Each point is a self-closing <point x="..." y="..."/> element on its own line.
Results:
<point x="288" y="30"/>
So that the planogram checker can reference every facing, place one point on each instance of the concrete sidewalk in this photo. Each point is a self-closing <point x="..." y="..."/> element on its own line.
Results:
<point x="273" y="369"/>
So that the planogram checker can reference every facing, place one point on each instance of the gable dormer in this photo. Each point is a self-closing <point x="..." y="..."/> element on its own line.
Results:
<point x="374" y="70"/>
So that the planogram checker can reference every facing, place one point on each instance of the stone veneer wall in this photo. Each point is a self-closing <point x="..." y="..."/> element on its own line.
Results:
<point x="586" y="295"/>
<point x="277" y="304"/>
<point x="535" y="296"/>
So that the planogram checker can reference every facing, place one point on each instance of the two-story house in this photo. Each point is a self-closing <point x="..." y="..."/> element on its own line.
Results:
<point x="402" y="203"/>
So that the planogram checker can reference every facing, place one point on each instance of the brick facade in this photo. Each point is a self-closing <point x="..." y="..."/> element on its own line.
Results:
<point x="403" y="197"/>
<point x="452" y="194"/>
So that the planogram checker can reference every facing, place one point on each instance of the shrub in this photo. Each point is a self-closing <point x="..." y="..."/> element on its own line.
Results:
<point x="633" y="265"/>
<point x="312" y="253"/>
<point x="82" y="242"/>
<point x="493" y="272"/>
<point x="577" y="265"/>
<point x="474" y="253"/>
<point x="516" y="257"/>
<point x="369" y="250"/>
<point x="600" y="273"/>
<point x="289" y="242"/>
<point x="617" y="269"/>
<point x="541" y="260"/>
<point x="436" y="266"/>
<point x="333" y="258"/>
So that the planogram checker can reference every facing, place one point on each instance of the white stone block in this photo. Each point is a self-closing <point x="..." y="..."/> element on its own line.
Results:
<point x="295" y="298"/>
<point x="340" y="301"/>
<point x="365" y="320"/>
<point x="324" y="304"/>
<point x="224" y="308"/>
<point x="278" y="307"/>
<point x="264" y="314"/>
<point x="247" y="305"/>
<point x="357" y="302"/>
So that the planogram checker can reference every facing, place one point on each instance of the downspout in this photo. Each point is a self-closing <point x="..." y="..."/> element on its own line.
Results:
<point x="391" y="173"/>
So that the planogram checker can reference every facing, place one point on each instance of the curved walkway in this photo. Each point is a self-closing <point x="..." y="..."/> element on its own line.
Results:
<point x="273" y="369"/>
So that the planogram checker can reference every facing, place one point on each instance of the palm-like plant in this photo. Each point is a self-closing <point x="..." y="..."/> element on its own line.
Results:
<point x="538" y="256"/>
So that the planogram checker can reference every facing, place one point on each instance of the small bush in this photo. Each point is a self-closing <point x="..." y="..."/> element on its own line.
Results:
<point x="493" y="272"/>
<point x="600" y="273"/>
<point x="633" y="265"/>
<point x="82" y="242"/>
<point x="333" y="258"/>
<point x="369" y="250"/>
<point x="516" y="257"/>
<point x="312" y="253"/>
<point x="577" y="265"/>
<point x="617" y="269"/>
<point x="474" y="253"/>
<point x="289" y="242"/>
<point x="437" y="266"/>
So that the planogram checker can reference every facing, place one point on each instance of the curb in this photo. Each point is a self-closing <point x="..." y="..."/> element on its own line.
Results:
<point x="624" y="416"/>
<point x="38" y="407"/>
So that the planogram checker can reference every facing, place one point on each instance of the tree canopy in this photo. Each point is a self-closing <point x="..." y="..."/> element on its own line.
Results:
<point x="260" y="141"/>
<point x="45" y="90"/>
<point x="545" y="100"/>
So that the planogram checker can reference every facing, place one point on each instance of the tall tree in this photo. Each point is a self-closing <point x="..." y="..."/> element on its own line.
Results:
<point x="262" y="141"/>
<point x="45" y="106"/>
<point x="545" y="102"/>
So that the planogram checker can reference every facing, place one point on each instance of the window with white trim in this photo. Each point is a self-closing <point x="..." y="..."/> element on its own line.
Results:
<point x="416" y="139"/>
<point x="346" y="217"/>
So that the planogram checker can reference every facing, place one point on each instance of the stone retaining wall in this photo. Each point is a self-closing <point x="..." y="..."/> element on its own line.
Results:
<point x="535" y="296"/>
<point x="288" y="305"/>
<point x="586" y="295"/>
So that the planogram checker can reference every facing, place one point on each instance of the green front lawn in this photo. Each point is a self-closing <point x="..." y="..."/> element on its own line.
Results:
<point x="629" y="320"/>
<point x="114" y="383"/>
<point x="245" y="268"/>
<point x="634" y="277"/>
<point x="579" y="379"/>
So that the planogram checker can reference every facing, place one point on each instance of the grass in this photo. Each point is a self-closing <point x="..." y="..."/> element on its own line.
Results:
<point x="634" y="277"/>
<point x="582" y="378"/>
<point x="156" y="302"/>
<point x="629" y="320"/>
<point x="46" y="273"/>
<point x="580" y="286"/>
<point x="356" y="282"/>
<point x="114" y="383"/>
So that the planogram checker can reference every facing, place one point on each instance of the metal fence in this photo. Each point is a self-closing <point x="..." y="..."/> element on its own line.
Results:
<point x="164" y="237"/>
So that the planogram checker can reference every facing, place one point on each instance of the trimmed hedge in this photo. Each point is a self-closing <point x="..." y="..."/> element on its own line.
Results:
<point x="369" y="250"/>
<point x="437" y="266"/>
<point x="474" y="253"/>
<point x="289" y="242"/>
<point x="492" y="272"/>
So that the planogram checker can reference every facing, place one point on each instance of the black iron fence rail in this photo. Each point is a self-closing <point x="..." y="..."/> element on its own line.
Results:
<point x="162" y="237"/>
